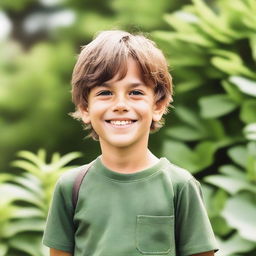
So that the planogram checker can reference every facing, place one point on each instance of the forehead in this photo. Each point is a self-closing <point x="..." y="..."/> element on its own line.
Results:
<point x="131" y="75"/>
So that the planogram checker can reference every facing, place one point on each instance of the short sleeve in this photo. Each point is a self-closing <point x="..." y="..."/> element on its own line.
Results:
<point x="59" y="231"/>
<point x="194" y="233"/>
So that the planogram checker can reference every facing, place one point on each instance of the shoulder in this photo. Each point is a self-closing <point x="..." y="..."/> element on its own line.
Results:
<point x="179" y="177"/>
<point x="67" y="179"/>
<point x="70" y="175"/>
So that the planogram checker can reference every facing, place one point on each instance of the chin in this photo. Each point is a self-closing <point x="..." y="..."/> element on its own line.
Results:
<point x="120" y="142"/>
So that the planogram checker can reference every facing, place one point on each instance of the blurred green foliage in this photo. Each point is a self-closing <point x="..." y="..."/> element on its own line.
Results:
<point x="211" y="131"/>
<point x="33" y="98"/>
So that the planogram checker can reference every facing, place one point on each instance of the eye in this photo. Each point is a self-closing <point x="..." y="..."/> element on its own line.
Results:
<point x="136" y="92"/>
<point x="104" y="93"/>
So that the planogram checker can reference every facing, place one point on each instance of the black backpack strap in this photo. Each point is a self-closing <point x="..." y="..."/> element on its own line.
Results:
<point x="77" y="183"/>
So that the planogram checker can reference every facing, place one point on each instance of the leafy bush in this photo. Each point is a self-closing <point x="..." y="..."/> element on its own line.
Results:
<point x="213" y="127"/>
<point x="26" y="200"/>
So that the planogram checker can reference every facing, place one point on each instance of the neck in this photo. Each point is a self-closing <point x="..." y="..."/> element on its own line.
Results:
<point x="127" y="160"/>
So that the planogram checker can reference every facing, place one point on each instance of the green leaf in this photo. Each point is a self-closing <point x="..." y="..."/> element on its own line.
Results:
<point x="240" y="212"/>
<point x="232" y="92"/>
<point x="29" y="243"/>
<point x="229" y="184"/>
<point x="227" y="54"/>
<point x="232" y="171"/>
<point x="41" y="155"/>
<point x="173" y="150"/>
<point x="215" y="129"/>
<point x="30" y="182"/>
<point x="16" y="193"/>
<point x="231" y="68"/>
<point x="192" y="160"/>
<point x="216" y="105"/>
<point x="218" y="201"/>
<point x="24" y="225"/>
<point x="220" y="226"/>
<point x="65" y="160"/>
<point x="190" y="117"/>
<point x="27" y="166"/>
<point x="29" y="212"/>
<point x="5" y="177"/>
<point x="32" y="157"/>
<point x="215" y="32"/>
<point x="239" y="155"/>
<point x="55" y="157"/>
<point x="196" y="39"/>
<point x="244" y="85"/>
<point x="184" y="133"/>
<point x="189" y="85"/>
<point x="205" y="151"/>
<point x="248" y="111"/>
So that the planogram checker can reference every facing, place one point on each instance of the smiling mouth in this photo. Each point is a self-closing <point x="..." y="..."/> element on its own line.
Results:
<point x="121" y="122"/>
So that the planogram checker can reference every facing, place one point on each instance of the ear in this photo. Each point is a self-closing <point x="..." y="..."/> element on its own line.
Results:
<point x="158" y="111"/>
<point x="84" y="113"/>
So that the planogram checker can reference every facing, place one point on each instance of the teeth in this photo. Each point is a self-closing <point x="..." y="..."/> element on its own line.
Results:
<point x="121" y="122"/>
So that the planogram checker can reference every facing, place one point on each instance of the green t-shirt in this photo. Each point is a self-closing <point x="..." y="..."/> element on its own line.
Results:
<point x="156" y="211"/>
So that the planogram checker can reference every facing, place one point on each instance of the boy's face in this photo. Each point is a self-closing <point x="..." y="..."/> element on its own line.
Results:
<point x="121" y="111"/>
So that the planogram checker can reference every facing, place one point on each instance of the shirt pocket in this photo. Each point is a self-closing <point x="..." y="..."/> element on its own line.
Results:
<point x="155" y="234"/>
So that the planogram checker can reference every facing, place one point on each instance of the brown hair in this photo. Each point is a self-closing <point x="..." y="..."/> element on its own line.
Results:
<point x="106" y="56"/>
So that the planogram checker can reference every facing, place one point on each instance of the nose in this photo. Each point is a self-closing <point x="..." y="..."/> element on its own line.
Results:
<point x="120" y="105"/>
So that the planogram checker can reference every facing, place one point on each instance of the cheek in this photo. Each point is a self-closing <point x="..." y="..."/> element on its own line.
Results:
<point x="97" y="108"/>
<point x="144" y="110"/>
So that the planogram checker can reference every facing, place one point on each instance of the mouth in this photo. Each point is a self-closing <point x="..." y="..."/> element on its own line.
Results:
<point x="121" y="123"/>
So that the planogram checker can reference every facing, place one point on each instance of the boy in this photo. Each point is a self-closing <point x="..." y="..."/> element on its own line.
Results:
<point x="130" y="202"/>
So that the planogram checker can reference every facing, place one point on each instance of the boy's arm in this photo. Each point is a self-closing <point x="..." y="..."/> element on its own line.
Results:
<point x="54" y="252"/>
<point x="210" y="253"/>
